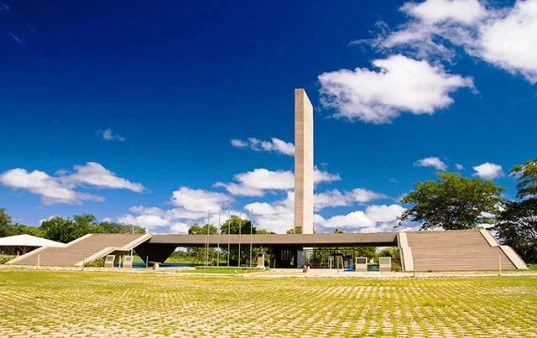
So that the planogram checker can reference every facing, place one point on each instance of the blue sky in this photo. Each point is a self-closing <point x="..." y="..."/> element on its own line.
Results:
<point x="157" y="113"/>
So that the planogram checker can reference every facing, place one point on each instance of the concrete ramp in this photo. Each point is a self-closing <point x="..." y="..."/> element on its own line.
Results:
<point x="459" y="250"/>
<point x="83" y="249"/>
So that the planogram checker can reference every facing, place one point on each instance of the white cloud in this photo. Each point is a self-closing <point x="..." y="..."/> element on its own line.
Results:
<point x="260" y="180"/>
<point x="504" y="37"/>
<point x="61" y="188"/>
<point x="277" y="216"/>
<point x="435" y="11"/>
<point x="336" y="198"/>
<point x="198" y="200"/>
<point x="274" y="145"/>
<point x="257" y="181"/>
<point x="488" y="171"/>
<point x="320" y="176"/>
<point x="375" y="218"/>
<point x="40" y="183"/>
<point x="510" y="40"/>
<point x="459" y="166"/>
<point x="109" y="135"/>
<point x="400" y="84"/>
<point x="189" y="206"/>
<point x="239" y="143"/>
<point x="434" y="162"/>
<point x="96" y="175"/>
<point x="363" y="195"/>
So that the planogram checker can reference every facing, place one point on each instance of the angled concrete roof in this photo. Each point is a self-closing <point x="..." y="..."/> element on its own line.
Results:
<point x="29" y="240"/>
<point x="364" y="239"/>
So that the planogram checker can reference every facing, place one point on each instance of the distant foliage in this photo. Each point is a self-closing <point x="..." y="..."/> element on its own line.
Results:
<point x="527" y="179"/>
<point x="7" y="228"/>
<point x="65" y="230"/>
<point x="453" y="202"/>
<point x="517" y="227"/>
<point x="517" y="224"/>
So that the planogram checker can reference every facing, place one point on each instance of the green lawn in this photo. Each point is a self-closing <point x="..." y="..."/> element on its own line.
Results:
<point x="115" y="304"/>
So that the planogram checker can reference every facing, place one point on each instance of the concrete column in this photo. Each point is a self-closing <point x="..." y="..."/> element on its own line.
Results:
<point x="303" y="163"/>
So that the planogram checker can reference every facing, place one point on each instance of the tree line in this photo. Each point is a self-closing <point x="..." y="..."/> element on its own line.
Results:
<point x="63" y="229"/>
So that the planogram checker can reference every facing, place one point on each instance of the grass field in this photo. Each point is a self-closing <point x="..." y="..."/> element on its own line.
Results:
<point x="111" y="304"/>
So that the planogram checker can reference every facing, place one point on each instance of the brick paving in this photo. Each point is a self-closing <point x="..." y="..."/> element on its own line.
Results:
<point x="157" y="304"/>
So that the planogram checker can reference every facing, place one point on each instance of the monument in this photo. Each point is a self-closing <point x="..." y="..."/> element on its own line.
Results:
<point x="303" y="163"/>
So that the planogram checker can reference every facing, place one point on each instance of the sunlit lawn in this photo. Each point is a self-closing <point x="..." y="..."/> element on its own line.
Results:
<point x="112" y="304"/>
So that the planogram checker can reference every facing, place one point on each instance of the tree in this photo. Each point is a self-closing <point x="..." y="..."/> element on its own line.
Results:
<point x="517" y="227"/>
<point x="453" y="202"/>
<point x="196" y="229"/>
<point x="517" y="224"/>
<point x="7" y="228"/>
<point x="527" y="178"/>
<point x="64" y="230"/>
<point x="5" y="219"/>
<point x="107" y="227"/>
<point x="61" y="229"/>
<point x="233" y="224"/>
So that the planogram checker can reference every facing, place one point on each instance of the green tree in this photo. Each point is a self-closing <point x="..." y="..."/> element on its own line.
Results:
<point x="5" y="219"/>
<point x="107" y="227"/>
<point x="61" y="229"/>
<point x="8" y="228"/>
<point x="517" y="227"/>
<point x="233" y="224"/>
<point x="527" y="178"/>
<point x="196" y="229"/>
<point x="453" y="202"/>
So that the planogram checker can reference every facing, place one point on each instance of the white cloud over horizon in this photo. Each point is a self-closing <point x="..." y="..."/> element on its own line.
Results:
<point x="274" y="145"/>
<point x="61" y="188"/>
<point x="488" y="171"/>
<point x="378" y="96"/>
<point x="432" y="161"/>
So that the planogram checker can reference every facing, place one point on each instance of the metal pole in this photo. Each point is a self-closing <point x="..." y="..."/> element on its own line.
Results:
<point x="228" y="237"/>
<point x="251" y="239"/>
<point x="207" y="240"/>
<point x="218" y="249"/>
<point x="240" y="225"/>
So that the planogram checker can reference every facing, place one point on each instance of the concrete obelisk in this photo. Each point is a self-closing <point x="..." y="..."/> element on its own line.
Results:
<point x="303" y="163"/>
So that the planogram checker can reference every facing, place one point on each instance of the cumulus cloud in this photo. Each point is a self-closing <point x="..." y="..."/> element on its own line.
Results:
<point x="336" y="198"/>
<point x="488" y="171"/>
<point x="508" y="40"/>
<point x="434" y="162"/>
<point x="198" y="200"/>
<point x="374" y="218"/>
<point x="277" y="216"/>
<point x="189" y="206"/>
<point x="49" y="188"/>
<point x="503" y="37"/>
<point x="398" y="84"/>
<point x="109" y="135"/>
<point x="274" y="145"/>
<point x="62" y="187"/>
<point x="261" y="180"/>
<point x="94" y="174"/>
<point x="437" y="11"/>
<point x="459" y="166"/>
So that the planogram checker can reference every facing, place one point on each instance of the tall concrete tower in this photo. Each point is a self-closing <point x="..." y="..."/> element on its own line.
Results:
<point x="303" y="163"/>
